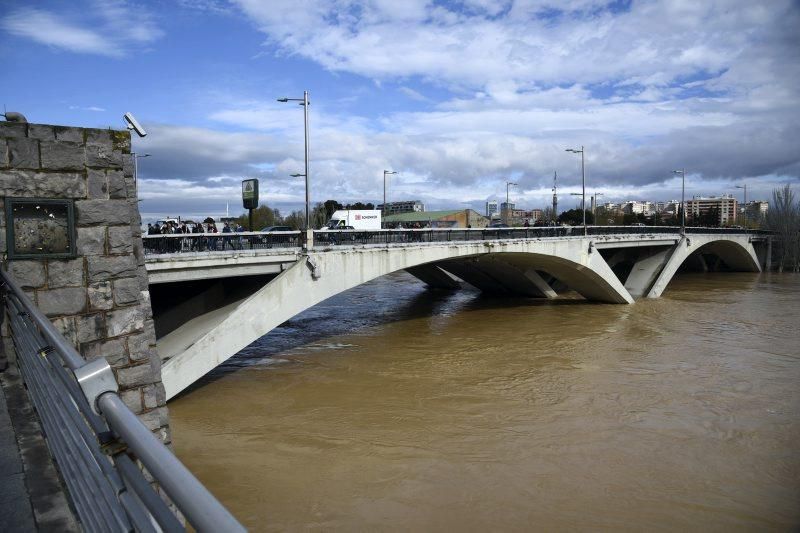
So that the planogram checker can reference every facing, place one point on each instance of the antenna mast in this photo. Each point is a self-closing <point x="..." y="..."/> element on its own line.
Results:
<point x="555" y="195"/>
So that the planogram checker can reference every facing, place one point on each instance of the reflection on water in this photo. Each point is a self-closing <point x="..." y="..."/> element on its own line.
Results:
<point x="392" y="407"/>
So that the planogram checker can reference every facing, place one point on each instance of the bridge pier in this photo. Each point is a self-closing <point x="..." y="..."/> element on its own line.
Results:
<point x="645" y="270"/>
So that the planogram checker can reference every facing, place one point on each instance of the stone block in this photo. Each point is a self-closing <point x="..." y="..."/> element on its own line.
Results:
<point x="121" y="140"/>
<point x="126" y="291"/>
<point x="66" y="327"/>
<point x="135" y="376"/>
<point x="150" y="397"/>
<point x="99" y="136"/>
<point x="3" y="153"/>
<point x="27" y="274"/>
<point x="133" y="399"/>
<point x="116" y="185"/>
<point x="112" y="350"/>
<point x="106" y="212"/>
<point x="155" y="419"/>
<point x="90" y="327"/>
<point x="91" y="241"/>
<point x="26" y="183"/>
<point x="100" y="295"/>
<point x="102" y="156"/>
<point x="62" y="155"/>
<point x="124" y="321"/>
<point x="108" y="268"/>
<point x="42" y="132"/>
<point x="155" y="362"/>
<point x="66" y="301"/>
<point x="97" y="185"/>
<point x="13" y="129"/>
<point x="120" y="240"/>
<point x="23" y="153"/>
<point x="65" y="273"/>
<point x="65" y="133"/>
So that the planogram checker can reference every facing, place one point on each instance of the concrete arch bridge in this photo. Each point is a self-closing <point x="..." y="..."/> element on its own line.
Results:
<point x="210" y="304"/>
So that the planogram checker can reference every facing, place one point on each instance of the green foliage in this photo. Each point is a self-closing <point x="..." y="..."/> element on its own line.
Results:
<point x="359" y="205"/>
<point x="262" y="216"/>
<point x="573" y="217"/>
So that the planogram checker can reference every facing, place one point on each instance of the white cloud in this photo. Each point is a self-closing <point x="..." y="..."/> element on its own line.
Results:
<point x="108" y="28"/>
<point x="711" y="86"/>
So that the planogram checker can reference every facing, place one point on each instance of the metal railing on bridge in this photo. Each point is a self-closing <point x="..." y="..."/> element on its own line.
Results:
<point x="220" y="242"/>
<point x="216" y="242"/>
<point x="89" y="431"/>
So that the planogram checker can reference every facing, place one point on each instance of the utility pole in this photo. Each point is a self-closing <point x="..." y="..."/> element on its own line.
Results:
<point x="555" y="196"/>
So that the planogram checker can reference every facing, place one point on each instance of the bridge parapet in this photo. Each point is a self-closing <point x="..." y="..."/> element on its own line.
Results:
<point x="254" y="242"/>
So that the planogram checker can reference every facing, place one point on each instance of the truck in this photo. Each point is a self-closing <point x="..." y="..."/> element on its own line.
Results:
<point x="360" y="219"/>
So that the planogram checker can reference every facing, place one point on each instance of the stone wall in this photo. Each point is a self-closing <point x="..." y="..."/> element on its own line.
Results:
<point x="100" y="299"/>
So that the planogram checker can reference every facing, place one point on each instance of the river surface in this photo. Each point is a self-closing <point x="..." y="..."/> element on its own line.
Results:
<point x="392" y="407"/>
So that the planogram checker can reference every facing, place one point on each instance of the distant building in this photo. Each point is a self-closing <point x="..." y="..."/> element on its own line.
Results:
<point x="721" y="208"/>
<point x="458" y="218"/>
<point x="755" y="210"/>
<point x="409" y="206"/>
<point x="491" y="208"/>
<point x="634" y="207"/>
<point x="509" y="205"/>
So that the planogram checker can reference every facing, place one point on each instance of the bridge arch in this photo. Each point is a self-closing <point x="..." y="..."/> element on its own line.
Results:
<point x="203" y="343"/>
<point x="735" y="251"/>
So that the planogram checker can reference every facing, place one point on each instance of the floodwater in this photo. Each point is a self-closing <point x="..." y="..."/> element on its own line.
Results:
<point x="392" y="407"/>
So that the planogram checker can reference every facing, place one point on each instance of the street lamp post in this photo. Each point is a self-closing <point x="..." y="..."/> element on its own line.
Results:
<point x="383" y="212"/>
<point x="508" y="204"/>
<point x="136" y="157"/>
<point x="745" y="202"/>
<point x="682" y="172"/>
<point x="594" y="205"/>
<point x="583" y="184"/>
<point x="305" y="103"/>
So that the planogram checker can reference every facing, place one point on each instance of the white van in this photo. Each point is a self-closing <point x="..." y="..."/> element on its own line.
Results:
<point x="363" y="219"/>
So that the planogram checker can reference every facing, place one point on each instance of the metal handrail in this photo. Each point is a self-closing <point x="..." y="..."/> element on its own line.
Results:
<point x="90" y="430"/>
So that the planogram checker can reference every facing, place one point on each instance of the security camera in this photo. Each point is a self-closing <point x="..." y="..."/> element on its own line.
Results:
<point x="134" y="125"/>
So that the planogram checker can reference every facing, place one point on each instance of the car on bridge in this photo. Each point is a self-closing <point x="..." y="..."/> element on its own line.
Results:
<point x="270" y="229"/>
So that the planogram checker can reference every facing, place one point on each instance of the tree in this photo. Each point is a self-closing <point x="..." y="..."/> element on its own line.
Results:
<point x="359" y="205"/>
<point x="547" y="215"/>
<point x="263" y="216"/>
<point x="573" y="217"/>
<point x="295" y="220"/>
<point x="783" y="218"/>
<point x="331" y="206"/>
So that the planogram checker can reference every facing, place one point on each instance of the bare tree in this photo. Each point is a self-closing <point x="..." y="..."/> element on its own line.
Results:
<point x="783" y="218"/>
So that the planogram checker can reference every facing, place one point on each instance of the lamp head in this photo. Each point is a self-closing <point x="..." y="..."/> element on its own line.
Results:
<point x="284" y="99"/>
<point x="296" y="175"/>
<point x="677" y="171"/>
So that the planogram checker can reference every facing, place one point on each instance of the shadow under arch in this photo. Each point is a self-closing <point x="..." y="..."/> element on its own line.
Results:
<point x="735" y="253"/>
<point x="508" y="269"/>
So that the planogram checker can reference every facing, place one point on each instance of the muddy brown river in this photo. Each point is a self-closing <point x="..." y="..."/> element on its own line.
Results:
<point x="396" y="408"/>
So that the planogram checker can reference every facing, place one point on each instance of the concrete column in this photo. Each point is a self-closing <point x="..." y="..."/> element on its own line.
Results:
<point x="645" y="271"/>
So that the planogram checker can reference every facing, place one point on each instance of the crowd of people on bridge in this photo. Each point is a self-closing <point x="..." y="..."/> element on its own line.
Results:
<point x="199" y="243"/>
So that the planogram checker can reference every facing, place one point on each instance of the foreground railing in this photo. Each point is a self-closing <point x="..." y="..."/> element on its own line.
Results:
<point x="219" y="242"/>
<point x="89" y="431"/>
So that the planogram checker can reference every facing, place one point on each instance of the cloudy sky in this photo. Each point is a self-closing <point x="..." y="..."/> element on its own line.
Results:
<point x="458" y="97"/>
